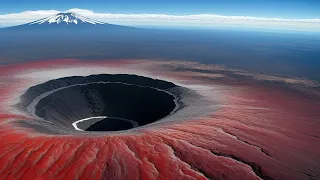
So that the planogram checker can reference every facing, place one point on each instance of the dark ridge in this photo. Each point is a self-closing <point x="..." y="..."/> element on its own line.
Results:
<point x="246" y="142"/>
<point x="255" y="167"/>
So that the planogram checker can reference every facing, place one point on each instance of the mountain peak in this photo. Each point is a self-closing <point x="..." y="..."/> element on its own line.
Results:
<point x="66" y="18"/>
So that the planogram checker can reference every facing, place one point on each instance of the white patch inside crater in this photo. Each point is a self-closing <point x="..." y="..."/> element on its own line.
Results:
<point x="86" y="119"/>
<point x="99" y="118"/>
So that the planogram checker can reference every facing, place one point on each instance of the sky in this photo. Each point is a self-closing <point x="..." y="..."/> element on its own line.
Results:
<point x="296" y="10"/>
<point x="263" y="8"/>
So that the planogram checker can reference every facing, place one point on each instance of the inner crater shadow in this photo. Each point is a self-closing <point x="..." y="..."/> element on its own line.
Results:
<point x="124" y="102"/>
<point x="112" y="124"/>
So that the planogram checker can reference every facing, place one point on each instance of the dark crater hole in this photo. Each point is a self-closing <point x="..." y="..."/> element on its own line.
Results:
<point x="112" y="124"/>
<point x="102" y="102"/>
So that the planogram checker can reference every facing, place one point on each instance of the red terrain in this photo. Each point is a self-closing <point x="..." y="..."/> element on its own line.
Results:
<point x="261" y="129"/>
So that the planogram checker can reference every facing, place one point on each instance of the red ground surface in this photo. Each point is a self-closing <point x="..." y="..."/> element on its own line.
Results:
<point x="260" y="131"/>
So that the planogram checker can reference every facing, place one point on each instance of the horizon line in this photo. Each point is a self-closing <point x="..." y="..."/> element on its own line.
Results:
<point x="147" y="19"/>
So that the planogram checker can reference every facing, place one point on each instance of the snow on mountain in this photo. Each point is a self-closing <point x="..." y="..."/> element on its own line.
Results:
<point x="66" y="18"/>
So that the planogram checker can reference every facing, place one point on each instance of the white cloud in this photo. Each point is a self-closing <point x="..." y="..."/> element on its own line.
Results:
<point x="197" y="20"/>
<point x="24" y="17"/>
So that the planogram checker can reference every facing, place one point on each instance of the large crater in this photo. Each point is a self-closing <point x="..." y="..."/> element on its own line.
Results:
<point x="101" y="102"/>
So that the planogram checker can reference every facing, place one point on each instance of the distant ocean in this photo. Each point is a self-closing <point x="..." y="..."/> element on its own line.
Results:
<point x="286" y="54"/>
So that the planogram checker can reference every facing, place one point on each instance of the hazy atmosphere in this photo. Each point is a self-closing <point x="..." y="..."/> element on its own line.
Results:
<point x="172" y="90"/>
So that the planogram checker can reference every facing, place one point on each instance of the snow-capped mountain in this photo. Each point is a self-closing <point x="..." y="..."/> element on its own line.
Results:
<point x="66" y="18"/>
<point x="66" y="23"/>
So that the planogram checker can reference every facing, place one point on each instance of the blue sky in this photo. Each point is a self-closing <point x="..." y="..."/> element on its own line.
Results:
<point x="297" y="15"/>
<point x="257" y="8"/>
